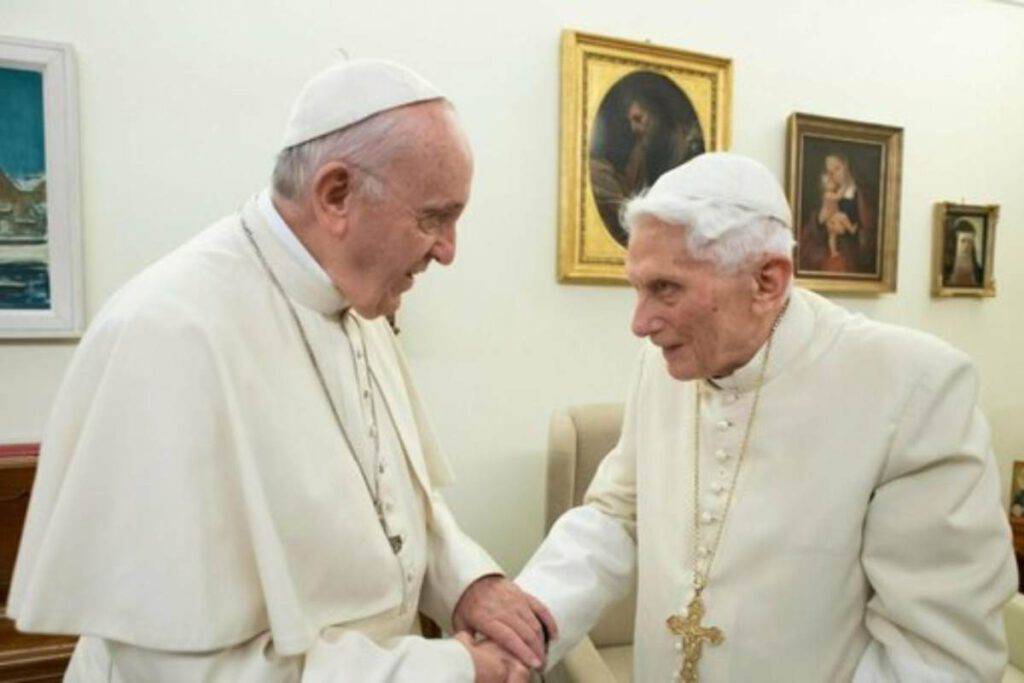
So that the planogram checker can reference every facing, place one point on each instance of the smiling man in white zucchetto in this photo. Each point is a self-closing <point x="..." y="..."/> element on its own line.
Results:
<point x="238" y="481"/>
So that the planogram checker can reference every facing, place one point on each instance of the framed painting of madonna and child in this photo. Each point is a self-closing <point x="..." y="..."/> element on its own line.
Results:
<point x="843" y="182"/>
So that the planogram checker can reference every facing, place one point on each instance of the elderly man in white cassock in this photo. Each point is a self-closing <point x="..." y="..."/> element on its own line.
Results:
<point x="238" y="481"/>
<point x="807" y="495"/>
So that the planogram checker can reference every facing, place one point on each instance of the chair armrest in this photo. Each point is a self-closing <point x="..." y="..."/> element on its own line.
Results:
<point x="583" y="664"/>
<point x="1013" y="616"/>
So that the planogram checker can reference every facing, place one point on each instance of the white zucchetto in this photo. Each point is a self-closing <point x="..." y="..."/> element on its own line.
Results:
<point x="350" y="92"/>
<point x="717" y="178"/>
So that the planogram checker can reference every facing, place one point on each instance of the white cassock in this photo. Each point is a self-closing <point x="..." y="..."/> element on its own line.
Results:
<point x="866" y="539"/>
<point x="196" y="513"/>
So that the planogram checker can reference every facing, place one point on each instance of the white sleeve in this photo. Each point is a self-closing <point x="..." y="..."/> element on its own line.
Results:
<point x="879" y="665"/>
<point x="354" y="658"/>
<point x="585" y="564"/>
<point x="588" y="560"/>
<point x="936" y="546"/>
<point x="349" y="657"/>
<point x="454" y="562"/>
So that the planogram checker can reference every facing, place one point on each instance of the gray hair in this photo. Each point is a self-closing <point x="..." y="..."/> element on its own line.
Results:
<point x="369" y="144"/>
<point x="727" y="235"/>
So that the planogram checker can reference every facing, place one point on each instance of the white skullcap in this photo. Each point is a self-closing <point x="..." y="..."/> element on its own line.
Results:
<point x="350" y="92"/>
<point x="716" y="179"/>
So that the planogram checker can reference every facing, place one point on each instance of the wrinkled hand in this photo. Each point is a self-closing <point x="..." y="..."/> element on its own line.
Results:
<point x="491" y="663"/>
<point x="500" y="610"/>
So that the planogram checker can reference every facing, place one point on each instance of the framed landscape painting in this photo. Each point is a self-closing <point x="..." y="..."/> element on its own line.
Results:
<point x="630" y="112"/>
<point x="40" y="229"/>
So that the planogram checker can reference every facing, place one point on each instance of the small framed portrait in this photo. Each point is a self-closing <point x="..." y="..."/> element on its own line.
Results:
<point x="1017" y="506"/>
<point x="843" y="182"/>
<point x="630" y="112"/>
<point x="40" y="231"/>
<point x="965" y="237"/>
<point x="1017" y="490"/>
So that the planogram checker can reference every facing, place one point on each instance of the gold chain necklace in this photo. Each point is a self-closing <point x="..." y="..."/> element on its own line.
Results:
<point x="689" y="627"/>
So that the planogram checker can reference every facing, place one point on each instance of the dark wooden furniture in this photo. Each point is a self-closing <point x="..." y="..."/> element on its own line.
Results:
<point x="23" y="656"/>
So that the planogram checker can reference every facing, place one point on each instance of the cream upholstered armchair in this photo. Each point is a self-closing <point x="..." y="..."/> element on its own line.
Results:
<point x="578" y="440"/>
<point x="1013" y="616"/>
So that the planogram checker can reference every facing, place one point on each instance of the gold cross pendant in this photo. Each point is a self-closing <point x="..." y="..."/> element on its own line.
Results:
<point x="693" y="635"/>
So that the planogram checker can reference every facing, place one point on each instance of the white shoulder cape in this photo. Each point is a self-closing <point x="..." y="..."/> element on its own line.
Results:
<point x="191" y="445"/>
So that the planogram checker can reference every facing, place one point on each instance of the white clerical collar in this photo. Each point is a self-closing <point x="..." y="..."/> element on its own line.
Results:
<point x="791" y="335"/>
<point x="281" y="231"/>
<point x="300" y="282"/>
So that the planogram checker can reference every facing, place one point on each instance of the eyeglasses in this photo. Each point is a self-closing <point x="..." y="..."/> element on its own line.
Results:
<point x="429" y="222"/>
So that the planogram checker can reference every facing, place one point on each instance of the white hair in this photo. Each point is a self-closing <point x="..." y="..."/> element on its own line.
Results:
<point x="727" y="235"/>
<point x="369" y="144"/>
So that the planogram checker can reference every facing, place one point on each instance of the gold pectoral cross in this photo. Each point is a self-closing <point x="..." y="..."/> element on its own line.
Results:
<point x="693" y="635"/>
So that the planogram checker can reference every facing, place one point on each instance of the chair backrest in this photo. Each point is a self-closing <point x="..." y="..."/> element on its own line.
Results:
<point x="578" y="439"/>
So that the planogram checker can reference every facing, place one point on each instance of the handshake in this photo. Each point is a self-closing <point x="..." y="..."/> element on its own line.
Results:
<point x="505" y="630"/>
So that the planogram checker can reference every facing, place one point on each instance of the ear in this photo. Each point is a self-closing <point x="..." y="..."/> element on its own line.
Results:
<point x="770" y="282"/>
<point x="330" y="193"/>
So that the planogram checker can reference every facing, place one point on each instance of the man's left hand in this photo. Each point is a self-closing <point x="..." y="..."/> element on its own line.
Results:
<point x="498" y="609"/>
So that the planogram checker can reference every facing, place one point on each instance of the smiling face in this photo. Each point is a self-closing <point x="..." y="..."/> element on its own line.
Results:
<point x="705" y="321"/>
<point x="391" y="223"/>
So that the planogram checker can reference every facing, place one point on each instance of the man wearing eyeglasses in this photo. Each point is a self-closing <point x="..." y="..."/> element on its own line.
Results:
<point x="238" y="481"/>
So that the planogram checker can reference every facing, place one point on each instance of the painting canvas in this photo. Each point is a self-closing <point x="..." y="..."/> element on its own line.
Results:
<point x="24" y="256"/>
<point x="964" y="250"/>
<point x="644" y="126"/>
<point x="840" y="208"/>
<point x="40" y="241"/>
<point x="843" y="181"/>
<point x="630" y="112"/>
<point x="1017" y="490"/>
<point x="1017" y="510"/>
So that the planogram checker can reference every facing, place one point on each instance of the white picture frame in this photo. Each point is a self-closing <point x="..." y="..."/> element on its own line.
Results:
<point x="54" y="249"/>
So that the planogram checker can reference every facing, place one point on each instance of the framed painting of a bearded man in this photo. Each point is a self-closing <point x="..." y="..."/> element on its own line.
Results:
<point x="630" y="112"/>
<point x="843" y="182"/>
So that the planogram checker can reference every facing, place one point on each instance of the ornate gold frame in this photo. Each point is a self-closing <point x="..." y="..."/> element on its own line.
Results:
<point x="591" y="65"/>
<point x="890" y="139"/>
<point x="990" y="212"/>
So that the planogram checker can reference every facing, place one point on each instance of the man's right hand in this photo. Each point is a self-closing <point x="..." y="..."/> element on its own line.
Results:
<point x="492" y="663"/>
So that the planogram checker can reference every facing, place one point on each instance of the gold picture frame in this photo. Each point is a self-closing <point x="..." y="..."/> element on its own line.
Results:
<point x="960" y="267"/>
<point x="630" y="111"/>
<point x="843" y="182"/>
<point x="1017" y="507"/>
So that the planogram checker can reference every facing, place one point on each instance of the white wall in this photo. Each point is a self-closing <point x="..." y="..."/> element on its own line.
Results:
<point x="182" y="105"/>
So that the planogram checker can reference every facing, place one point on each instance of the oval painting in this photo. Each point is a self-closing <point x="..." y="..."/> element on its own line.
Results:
<point x="645" y="125"/>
